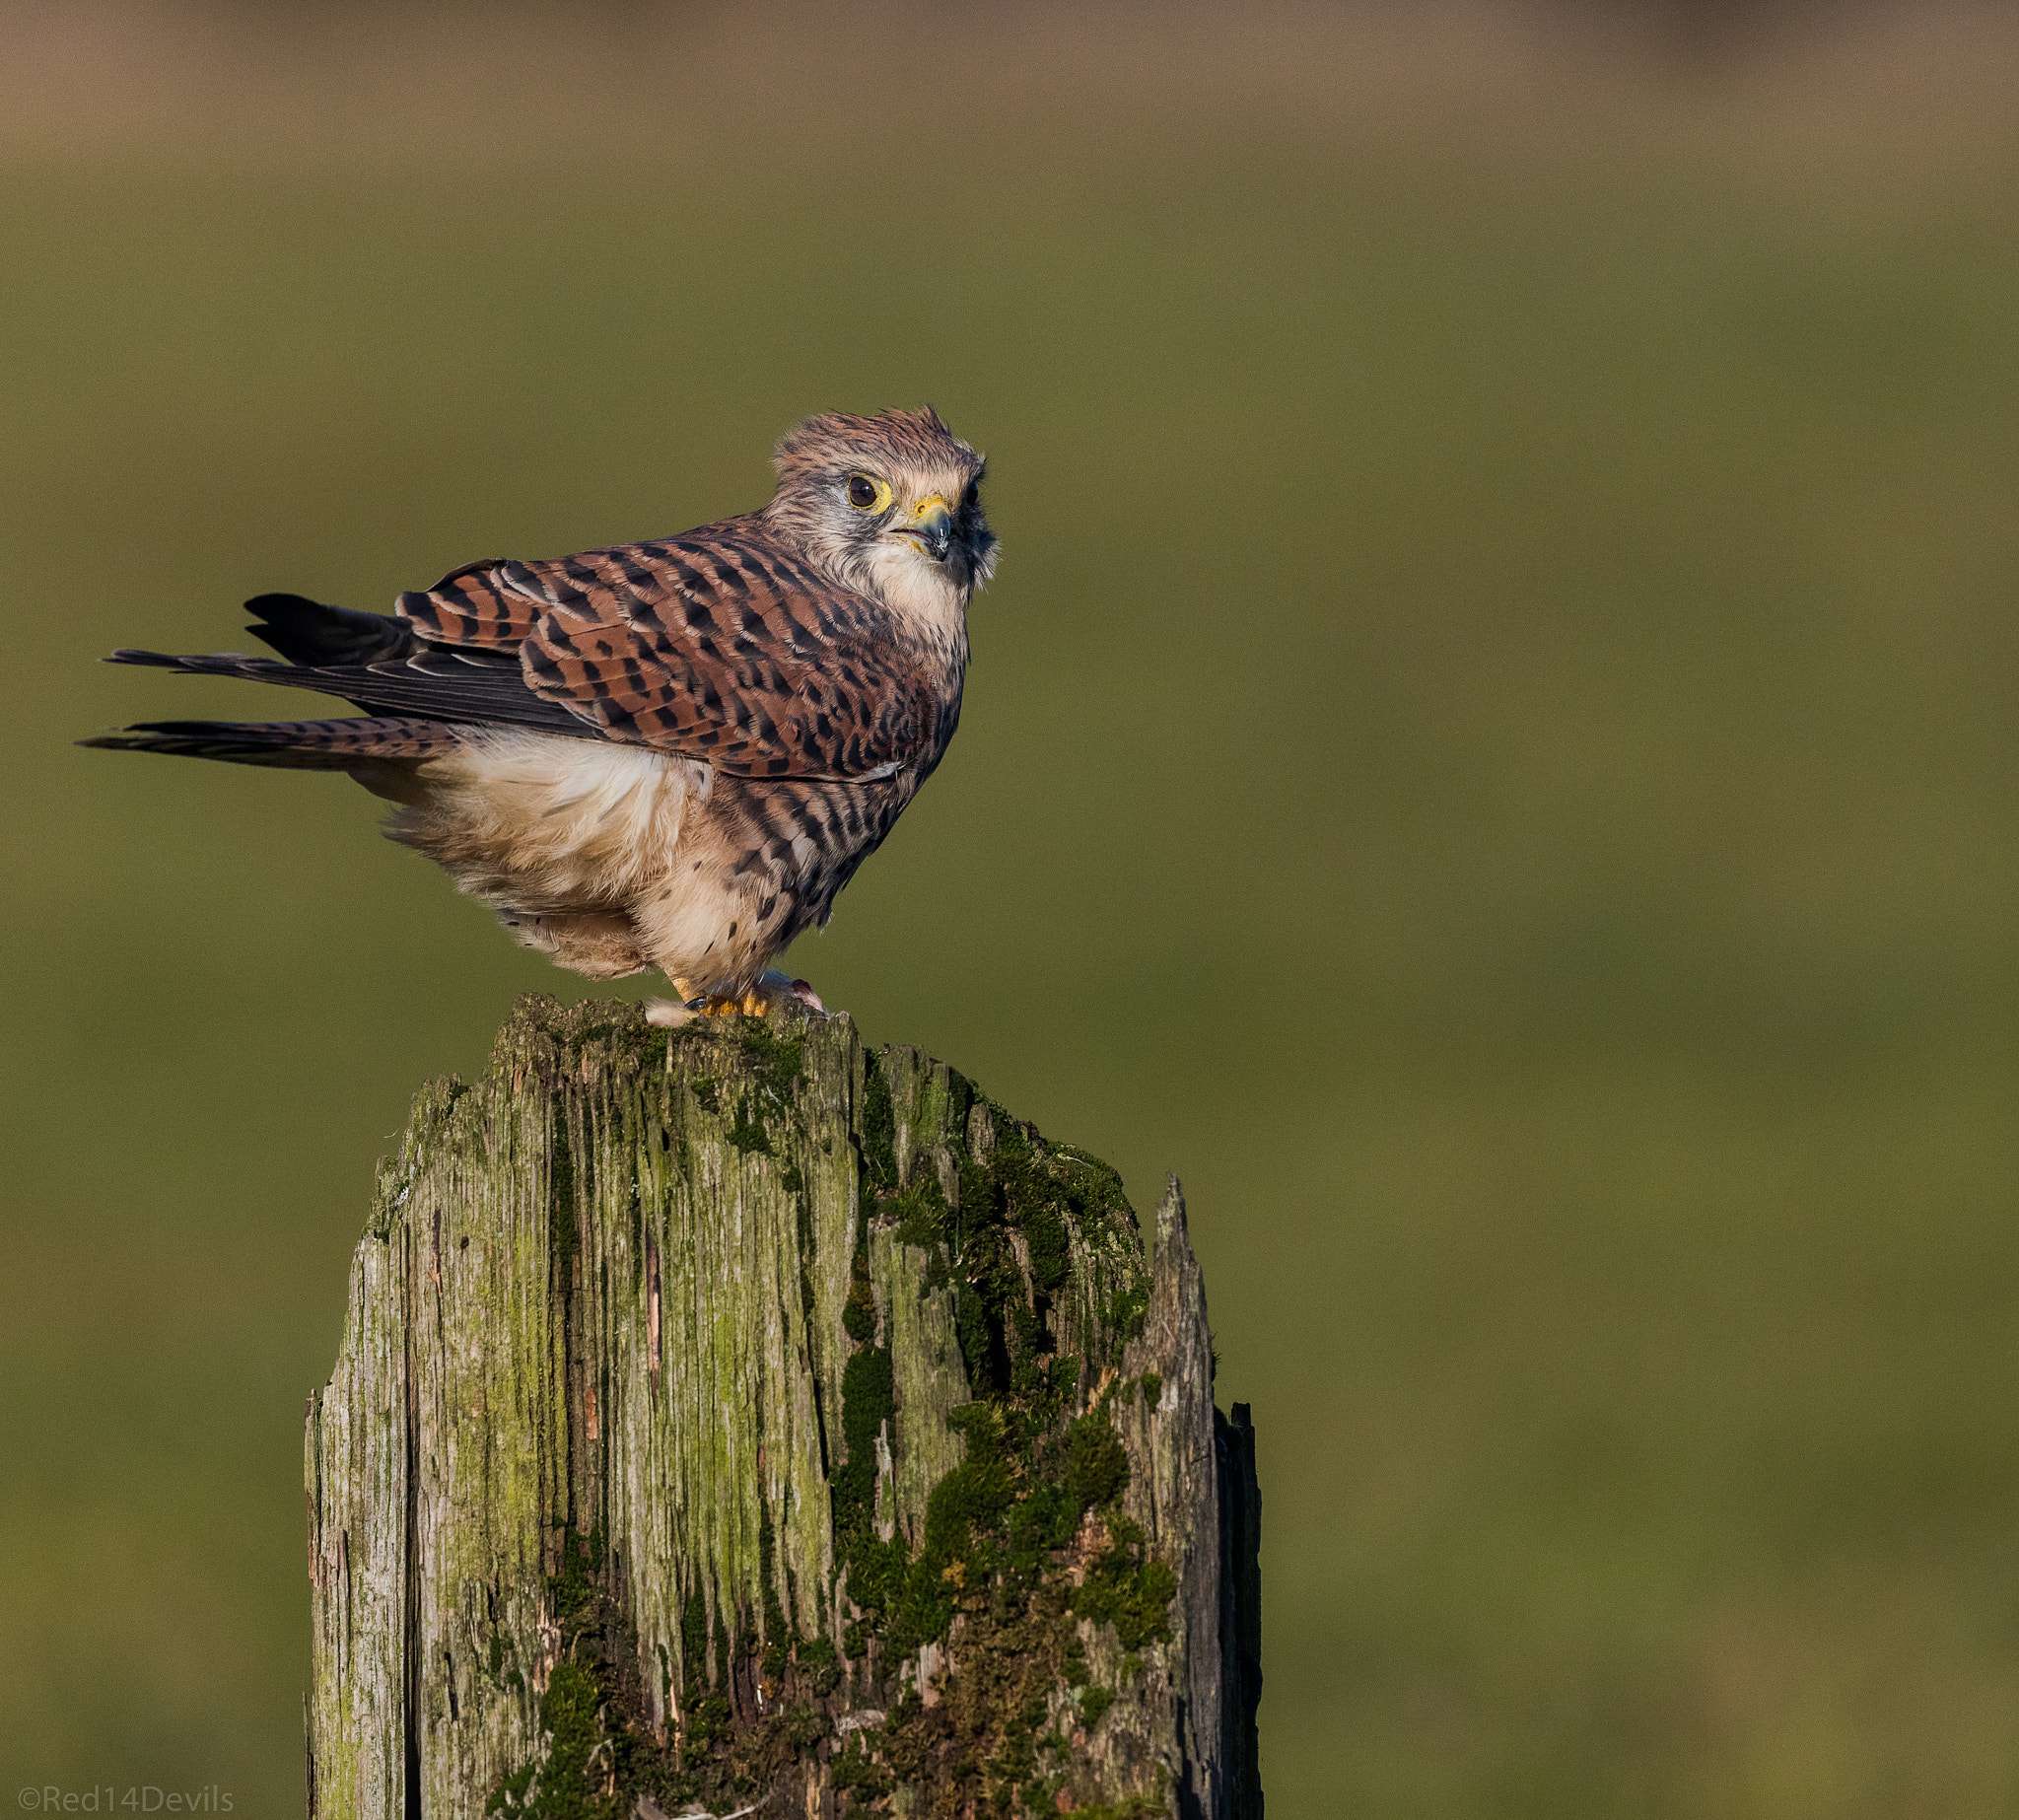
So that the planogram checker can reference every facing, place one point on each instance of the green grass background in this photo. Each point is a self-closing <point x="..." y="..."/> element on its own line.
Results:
<point x="1492" y="753"/>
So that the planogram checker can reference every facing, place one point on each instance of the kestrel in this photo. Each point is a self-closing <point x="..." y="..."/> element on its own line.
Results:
<point x="667" y="754"/>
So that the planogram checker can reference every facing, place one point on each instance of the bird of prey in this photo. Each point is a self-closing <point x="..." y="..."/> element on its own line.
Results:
<point x="667" y="754"/>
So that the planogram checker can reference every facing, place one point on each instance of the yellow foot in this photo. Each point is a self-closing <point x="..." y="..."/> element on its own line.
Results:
<point x="698" y="1002"/>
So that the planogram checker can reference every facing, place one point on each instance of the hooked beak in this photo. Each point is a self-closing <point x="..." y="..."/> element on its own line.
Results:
<point x="932" y="523"/>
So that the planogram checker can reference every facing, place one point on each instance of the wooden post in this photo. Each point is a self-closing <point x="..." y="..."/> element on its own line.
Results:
<point x="732" y="1420"/>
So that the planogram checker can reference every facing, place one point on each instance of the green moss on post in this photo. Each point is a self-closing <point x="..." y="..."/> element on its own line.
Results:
<point x="735" y="1418"/>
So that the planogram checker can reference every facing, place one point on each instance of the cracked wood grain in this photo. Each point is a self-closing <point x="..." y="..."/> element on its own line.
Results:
<point x="585" y="1428"/>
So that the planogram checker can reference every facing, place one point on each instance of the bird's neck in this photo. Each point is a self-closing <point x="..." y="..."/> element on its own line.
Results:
<point x="923" y="597"/>
<point x="920" y="593"/>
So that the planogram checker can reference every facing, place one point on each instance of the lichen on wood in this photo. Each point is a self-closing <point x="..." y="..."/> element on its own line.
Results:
<point x="734" y="1417"/>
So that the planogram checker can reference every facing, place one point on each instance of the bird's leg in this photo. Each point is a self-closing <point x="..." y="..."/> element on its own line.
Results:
<point x="698" y="1002"/>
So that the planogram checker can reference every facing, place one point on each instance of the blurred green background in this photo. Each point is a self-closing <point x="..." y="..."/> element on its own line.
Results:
<point x="1492" y="753"/>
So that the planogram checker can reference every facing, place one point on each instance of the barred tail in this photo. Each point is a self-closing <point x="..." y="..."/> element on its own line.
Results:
<point x="294" y="745"/>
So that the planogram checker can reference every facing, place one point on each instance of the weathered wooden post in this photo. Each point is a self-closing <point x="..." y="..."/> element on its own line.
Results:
<point x="731" y="1420"/>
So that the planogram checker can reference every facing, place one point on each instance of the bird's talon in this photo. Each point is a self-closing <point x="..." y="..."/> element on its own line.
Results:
<point x="698" y="1002"/>
<point x="755" y="1002"/>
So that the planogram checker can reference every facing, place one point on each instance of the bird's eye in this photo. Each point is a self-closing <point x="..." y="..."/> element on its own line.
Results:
<point x="866" y="494"/>
<point x="973" y="494"/>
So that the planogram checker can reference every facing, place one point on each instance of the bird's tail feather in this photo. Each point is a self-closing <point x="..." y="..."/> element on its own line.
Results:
<point x="292" y="746"/>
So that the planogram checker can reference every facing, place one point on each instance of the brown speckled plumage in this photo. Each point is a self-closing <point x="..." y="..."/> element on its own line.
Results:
<point x="672" y="753"/>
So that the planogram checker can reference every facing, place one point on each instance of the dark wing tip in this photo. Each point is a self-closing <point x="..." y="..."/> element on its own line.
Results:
<point x="305" y="632"/>
<point x="150" y="737"/>
<point x="138" y="739"/>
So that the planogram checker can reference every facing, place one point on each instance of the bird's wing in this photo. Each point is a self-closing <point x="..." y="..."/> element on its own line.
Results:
<point x="473" y="687"/>
<point x="713" y="644"/>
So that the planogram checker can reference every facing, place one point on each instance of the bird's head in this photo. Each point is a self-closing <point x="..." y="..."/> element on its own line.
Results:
<point x="889" y="506"/>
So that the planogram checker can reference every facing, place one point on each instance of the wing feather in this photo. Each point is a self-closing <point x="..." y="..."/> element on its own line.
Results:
<point x="717" y="645"/>
<point x="476" y="606"/>
<point x="477" y="688"/>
